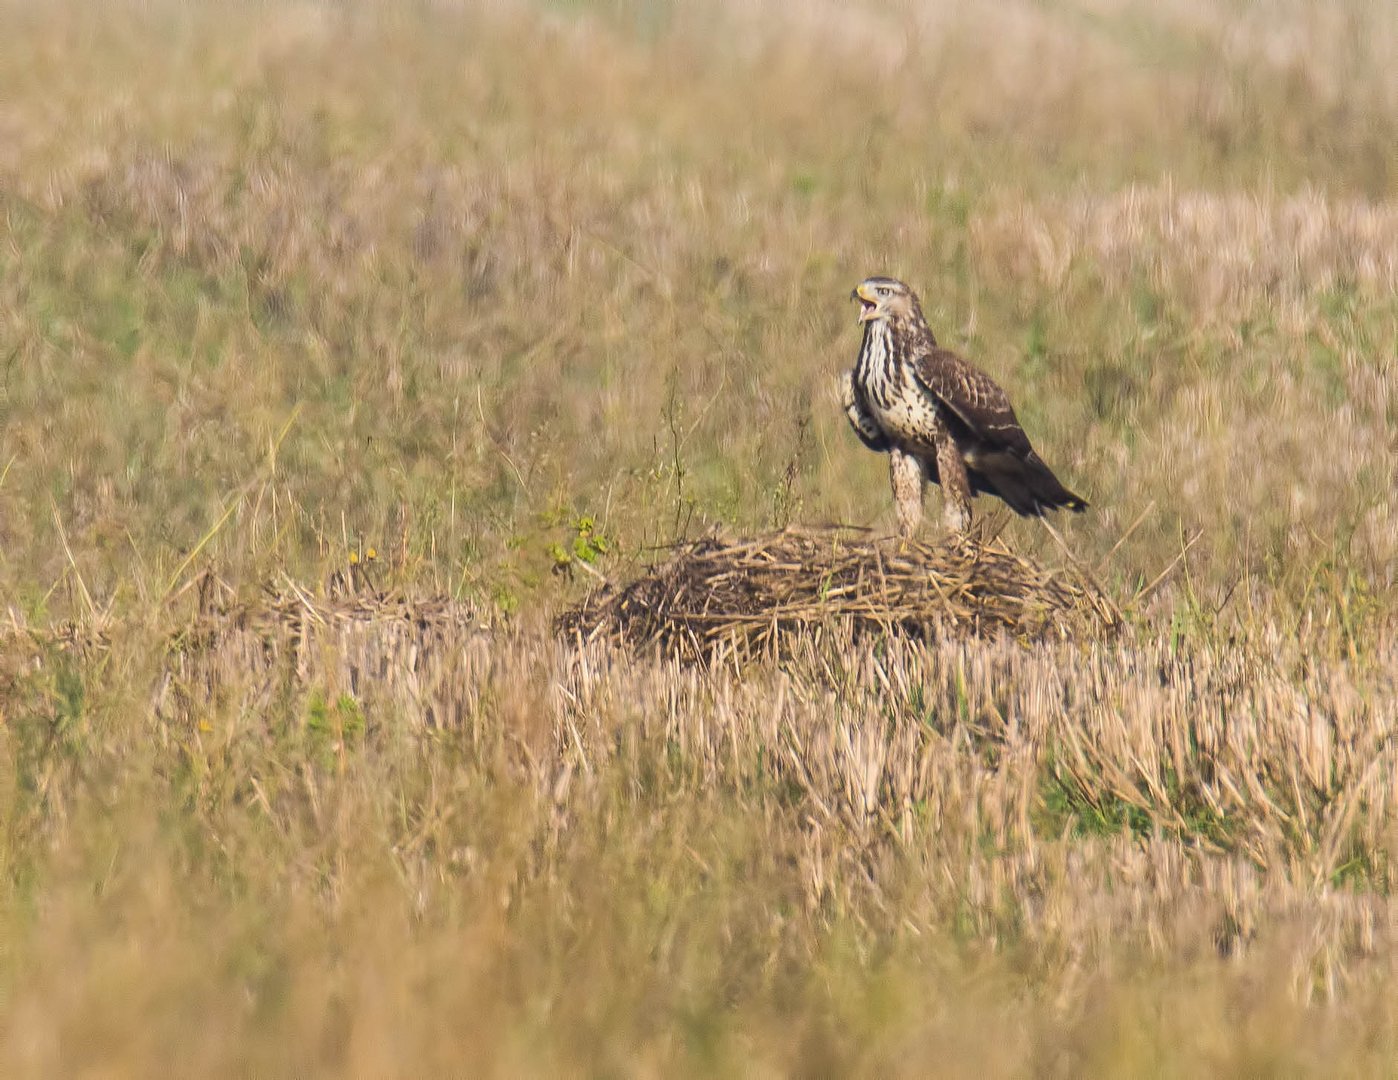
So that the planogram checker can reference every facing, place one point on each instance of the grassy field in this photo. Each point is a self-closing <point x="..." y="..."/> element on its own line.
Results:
<point x="499" y="290"/>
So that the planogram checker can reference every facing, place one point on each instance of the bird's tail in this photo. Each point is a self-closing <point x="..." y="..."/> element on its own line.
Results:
<point x="1031" y="489"/>
<point x="1049" y="493"/>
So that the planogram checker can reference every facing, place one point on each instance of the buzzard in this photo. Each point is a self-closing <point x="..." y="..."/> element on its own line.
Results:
<point x="938" y="418"/>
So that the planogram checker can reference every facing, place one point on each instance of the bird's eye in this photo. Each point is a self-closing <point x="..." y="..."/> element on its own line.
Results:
<point x="883" y="290"/>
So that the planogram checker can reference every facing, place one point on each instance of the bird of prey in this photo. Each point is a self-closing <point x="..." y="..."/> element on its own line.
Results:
<point x="938" y="418"/>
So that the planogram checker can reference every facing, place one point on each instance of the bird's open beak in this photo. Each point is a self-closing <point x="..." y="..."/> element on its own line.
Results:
<point x="867" y="304"/>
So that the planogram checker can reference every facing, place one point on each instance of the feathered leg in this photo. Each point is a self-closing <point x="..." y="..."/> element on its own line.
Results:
<point x="905" y="470"/>
<point x="956" y="489"/>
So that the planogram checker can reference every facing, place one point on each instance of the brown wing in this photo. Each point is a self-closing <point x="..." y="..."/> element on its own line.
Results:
<point x="1000" y="459"/>
<point x="974" y="398"/>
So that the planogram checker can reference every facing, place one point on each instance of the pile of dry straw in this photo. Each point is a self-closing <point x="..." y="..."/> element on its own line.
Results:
<point x="715" y="598"/>
<point x="378" y="647"/>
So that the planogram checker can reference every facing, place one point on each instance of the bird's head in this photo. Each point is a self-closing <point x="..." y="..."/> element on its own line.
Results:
<point x="884" y="298"/>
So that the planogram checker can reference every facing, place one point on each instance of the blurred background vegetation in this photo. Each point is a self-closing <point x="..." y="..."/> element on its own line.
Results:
<point x="442" y="280"/>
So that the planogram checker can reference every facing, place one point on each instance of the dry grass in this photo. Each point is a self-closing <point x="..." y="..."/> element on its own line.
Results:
<point x="502" y="290"/>
<point x="879" y="850"/>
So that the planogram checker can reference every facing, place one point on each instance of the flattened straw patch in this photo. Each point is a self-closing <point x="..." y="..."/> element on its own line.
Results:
<point x="715" y="597"/>
<point x="399" y="650"/>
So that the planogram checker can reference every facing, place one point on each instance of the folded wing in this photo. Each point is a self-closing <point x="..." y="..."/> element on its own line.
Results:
<point x="863" y="422"/>
<point x="999" y="459"/>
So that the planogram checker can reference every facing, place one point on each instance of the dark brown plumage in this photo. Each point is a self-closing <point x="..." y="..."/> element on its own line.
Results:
<point x="939" y="418"/>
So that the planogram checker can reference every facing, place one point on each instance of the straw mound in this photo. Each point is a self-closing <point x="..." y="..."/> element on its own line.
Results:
<point x="26" y="650"/>
<point x="716" y="597"/>
<point x="362" y="643"/>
